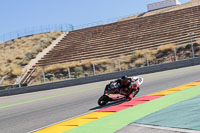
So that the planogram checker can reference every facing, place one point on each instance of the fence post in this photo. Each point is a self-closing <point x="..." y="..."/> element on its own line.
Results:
<point x="147" y="60"/>
<point x="94" y="72"/>
<point x="2" y="79"/>
<point x="190" y="34"/>
<point x="69" y="74"/>
<point x="193" y="55"/>
<point x="20" y="83"/>
<point x="43" y="75"/>
<point x="175" y="59"/>
<point x="18" y="80"/>
<point x="118" y="59"/>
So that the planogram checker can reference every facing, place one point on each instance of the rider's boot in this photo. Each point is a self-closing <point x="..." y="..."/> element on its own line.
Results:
<point x="129" y="97"/>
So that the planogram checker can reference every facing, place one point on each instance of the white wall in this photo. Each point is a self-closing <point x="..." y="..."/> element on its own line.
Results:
<point x="162" y="4"/>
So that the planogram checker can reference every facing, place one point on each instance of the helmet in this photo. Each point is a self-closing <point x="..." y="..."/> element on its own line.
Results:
<point x="124" y="80"/>
<point x="125" y="77"/>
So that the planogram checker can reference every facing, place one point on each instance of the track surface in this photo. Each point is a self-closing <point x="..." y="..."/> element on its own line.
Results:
<point x="35" y="110"/>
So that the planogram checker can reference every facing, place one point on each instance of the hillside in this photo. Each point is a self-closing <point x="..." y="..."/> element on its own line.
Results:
<point x="16" y="54"/>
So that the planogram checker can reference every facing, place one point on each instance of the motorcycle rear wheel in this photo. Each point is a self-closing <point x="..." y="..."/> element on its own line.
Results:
<point x="103" y="100"/>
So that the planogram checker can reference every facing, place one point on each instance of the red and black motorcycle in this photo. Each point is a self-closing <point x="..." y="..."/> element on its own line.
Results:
<point x="113" y="92"/>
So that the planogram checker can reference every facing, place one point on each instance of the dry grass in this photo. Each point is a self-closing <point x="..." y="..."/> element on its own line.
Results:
<point x="197" y="41"/>
<point x="151" y="57"/>
<point x="124" y="66"/>
<point x="75" y="64"/>
<point x="198" y="54"/>
<point x="87" y="62"/>
<point x="17" y="53"/>
<point x="5" y="70"/>
<point x="16" y="70"/>
<point x="140" y="62"/>
<point x="124" y="58"/>
<point x="168" y="47"/>
<point x="138" y="57"/>
<point x="6" y="83"/>
<point x="54" y="67"/>
<point x="63" y="65"/>
<point x="101" y="60"/>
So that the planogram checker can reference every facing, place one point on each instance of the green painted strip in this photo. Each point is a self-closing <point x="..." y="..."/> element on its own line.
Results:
<point x="116" y="121"/>
<point x="75" y="91"/>
<point x="185" y="114"/>
<point x="50" y="96"/>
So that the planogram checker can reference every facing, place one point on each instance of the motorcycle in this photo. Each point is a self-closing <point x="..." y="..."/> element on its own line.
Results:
<point x="113" y="92"/>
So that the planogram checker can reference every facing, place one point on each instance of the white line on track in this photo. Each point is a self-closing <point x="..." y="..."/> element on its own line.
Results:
<point x="73" y="117"/>
<point x="60" y="121"/>
<point x="166" y="128"/>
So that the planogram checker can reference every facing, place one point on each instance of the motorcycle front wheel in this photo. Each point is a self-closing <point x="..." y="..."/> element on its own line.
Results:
<point x="136" y="92"/>
<point x="103" y="100"/>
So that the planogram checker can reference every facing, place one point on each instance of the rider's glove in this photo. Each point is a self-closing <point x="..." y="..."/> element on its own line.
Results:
<point x="133" y="86"/>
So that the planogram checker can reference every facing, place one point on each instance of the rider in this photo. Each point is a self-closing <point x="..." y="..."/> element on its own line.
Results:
<point x="129" y="86"/>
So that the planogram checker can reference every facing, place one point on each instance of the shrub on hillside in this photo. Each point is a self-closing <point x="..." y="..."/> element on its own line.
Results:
<point x="188" y="46"/>
<point x="28" y="56"/>
<point x="101" y="67"/>
<point x="164" y="50"/>
<point x="49" y="76"/>
<point x="78" y="71"/>
<point x="137" y="54"/>
<point x="140" y="62"/>
<point x="181" y="48"/>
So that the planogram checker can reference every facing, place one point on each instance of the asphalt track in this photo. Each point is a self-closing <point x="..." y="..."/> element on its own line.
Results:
<point x="26" y="112"/>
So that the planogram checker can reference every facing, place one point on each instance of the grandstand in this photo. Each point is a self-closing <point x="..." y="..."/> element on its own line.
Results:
<point x="124" y="37"/>
<point x="148" y="30"/>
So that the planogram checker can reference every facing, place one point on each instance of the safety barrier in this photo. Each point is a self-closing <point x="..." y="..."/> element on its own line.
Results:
<point x="102" y="77"/>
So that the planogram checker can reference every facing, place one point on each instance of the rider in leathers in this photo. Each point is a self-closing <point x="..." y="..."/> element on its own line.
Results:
<point x="129" y="86"/>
